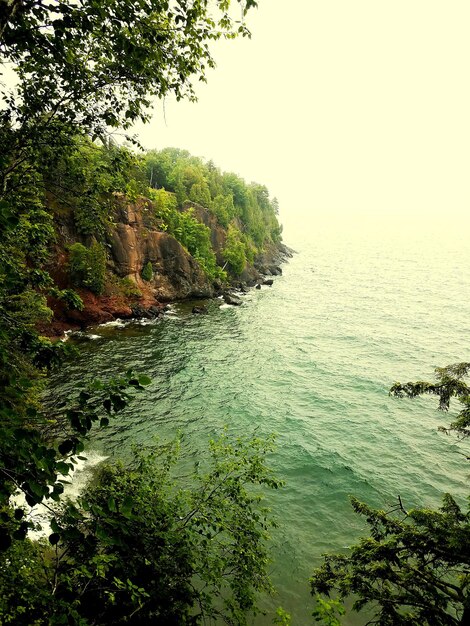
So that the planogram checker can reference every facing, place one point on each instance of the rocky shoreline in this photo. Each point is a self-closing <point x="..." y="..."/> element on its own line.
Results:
<point x="108" y="308"/>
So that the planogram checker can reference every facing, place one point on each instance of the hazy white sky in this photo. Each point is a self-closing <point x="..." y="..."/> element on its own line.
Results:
<point x="351" y="105"/>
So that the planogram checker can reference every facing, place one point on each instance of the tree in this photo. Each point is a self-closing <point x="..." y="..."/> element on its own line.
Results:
<point x="80" y="68"/>
<point x="234" y="251"/>
<point x="148" y="545"/>
<point x="414" y="569"/>
<point x="97" y="64"/>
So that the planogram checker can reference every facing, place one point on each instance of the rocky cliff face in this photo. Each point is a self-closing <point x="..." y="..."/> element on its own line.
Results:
<point x="134" y="241"/>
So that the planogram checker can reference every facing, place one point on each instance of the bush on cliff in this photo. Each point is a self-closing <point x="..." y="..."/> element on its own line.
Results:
<point x="87" y="266"/>
<point x="147" y="272"/>
<point x="188" y="230"/>
<point x="234" y="251"/>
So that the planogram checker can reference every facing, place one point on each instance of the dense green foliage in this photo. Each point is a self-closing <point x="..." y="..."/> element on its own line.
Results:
<point x="234" y="251"/>
<point x="87" y="266"/>
<point x="147" y="271"/>
<point x="85" y="178"/>
<point x="246" y="207"/>
<point x="143" y="547"/>
<point x="414" y="569"/>
<point x="187" y="229"/>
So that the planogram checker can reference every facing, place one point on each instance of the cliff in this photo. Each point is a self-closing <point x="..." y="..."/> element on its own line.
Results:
<point x="133" y="239"/>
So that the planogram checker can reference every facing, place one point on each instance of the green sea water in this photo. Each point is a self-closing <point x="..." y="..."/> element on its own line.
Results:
<point x="363" y="303"/>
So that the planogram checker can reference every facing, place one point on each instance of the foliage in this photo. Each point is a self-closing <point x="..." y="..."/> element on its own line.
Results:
<point x="147" y="271"/>
<point x="87" y="266"/>
<point x="107" y="61"/>
<point x="142" y="546"/>
<point x="188" y="230"/>
<point x="128" y="288"/>
<point x="34" y="465"/>
<point x="24" y="597"/>
<point x="234" y="251"/>
<point x="70" y="297"/>
<point x="247" y="207"/>
<point x="223" y="208"/>
<point x="282" y="617"/>
<point x="85" y="179"/>
<point x="414" y="567"/>
<point x="449" y="384"/>
<point x="328" y="611"/>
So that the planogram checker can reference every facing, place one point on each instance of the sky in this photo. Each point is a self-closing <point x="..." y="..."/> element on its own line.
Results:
<point x="338" y="106"/>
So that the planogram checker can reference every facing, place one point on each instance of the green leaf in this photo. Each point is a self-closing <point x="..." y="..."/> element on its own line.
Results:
<point x="126" y="506"/>
<point x="66" y="446"/>
<point x="63" y="468"/>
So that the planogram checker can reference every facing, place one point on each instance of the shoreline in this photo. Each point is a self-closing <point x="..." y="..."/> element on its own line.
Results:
<point x="103" y="309"/>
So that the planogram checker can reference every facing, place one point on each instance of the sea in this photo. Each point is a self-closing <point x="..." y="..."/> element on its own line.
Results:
<point x="365" y="301"/>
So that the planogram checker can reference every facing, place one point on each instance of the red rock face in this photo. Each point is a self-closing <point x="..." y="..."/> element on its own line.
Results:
<point x="133" y="243"/>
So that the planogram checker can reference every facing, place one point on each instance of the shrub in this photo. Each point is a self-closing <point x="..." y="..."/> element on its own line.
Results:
<point x="129" y="289"/>
<point x="87" y="266"/>
<point x="156" y="547"/>
<point x="147" y="272"/>
<point x="234" y="251"/>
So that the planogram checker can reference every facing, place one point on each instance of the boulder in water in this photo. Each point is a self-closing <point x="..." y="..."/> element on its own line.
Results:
<point x="231" y="299"/>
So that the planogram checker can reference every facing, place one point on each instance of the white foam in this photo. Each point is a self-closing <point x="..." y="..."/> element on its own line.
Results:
<point x="67" y="334"/>
<point x="117" y="323"/>
<point x="77" y="480"/>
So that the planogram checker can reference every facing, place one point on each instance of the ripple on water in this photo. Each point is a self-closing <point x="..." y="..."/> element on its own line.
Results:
<point x="311" y="359"/>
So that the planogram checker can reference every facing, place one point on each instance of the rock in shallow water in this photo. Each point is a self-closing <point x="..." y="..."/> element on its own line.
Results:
<point x="231" y="299"/>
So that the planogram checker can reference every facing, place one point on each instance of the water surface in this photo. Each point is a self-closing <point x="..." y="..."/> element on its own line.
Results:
<point x="361" y="305"/>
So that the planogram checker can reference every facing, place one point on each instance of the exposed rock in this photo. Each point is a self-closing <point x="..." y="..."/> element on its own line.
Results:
<point x="156" y="311"/>
<point x="242" y="287"/>
<point x="269" y="261"/>
<point x="268" y="281"/>
<point x="97" y="310"/>
<point x="134" y="240"/>
<point x="141" y="312"/>
<point x="176" y="274"/>
<point x="231" y="299"/>
<point x="200" y="310"/>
